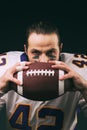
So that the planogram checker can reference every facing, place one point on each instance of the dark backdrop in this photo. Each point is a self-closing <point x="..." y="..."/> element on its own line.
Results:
<point x="68" y="15"/>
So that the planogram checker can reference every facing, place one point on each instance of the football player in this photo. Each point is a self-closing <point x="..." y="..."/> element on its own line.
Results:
<point x="43" y="44"/>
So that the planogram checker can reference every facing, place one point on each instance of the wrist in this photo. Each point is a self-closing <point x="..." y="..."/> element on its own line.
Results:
<point x="3" y="85"/>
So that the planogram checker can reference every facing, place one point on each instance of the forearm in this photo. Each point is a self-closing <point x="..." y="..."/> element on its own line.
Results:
<point x="82" y="87"/>
<point x="3" y="86"/>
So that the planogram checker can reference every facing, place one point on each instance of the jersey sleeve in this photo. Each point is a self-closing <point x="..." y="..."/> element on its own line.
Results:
<point x="8" y="59"/>
<point x="79" y="63"/>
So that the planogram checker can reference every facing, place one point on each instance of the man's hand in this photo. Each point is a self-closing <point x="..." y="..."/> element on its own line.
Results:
<point x="80" y="83"/>
<point x="8" y="75"/>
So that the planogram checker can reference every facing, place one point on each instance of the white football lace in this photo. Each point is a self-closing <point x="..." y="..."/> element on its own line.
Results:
<point x="40" y="72"/>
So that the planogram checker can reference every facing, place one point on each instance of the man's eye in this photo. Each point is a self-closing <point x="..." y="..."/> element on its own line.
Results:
<point x="52" y="57"/>
<point x="35" y="54"/>
<point x="35" y="57"/>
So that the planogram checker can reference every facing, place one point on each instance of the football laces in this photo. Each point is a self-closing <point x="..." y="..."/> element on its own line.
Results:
<point x="40" y="72"/>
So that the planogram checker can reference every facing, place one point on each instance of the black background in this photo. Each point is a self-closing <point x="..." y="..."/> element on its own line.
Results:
<point x="69" y="15"/>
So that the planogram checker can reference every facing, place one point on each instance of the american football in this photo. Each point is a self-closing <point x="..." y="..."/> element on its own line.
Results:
<point x="40" y="82"/>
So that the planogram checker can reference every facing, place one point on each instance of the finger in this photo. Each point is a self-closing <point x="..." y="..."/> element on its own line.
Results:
<point x="15" y="80"/>
<point x="21" y="66"/>
<point x="53" y="62"/>
<point x="56" y="62"/>
<point x="65" y="76"/>
<point x="24" y="63"/>
<point x="61" y="67"/>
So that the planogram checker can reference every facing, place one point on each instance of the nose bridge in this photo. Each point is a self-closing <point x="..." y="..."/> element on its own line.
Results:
<point x="43" y="58"/>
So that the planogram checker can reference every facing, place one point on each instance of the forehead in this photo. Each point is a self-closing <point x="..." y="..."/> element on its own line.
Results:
<point x="43" y="40"/>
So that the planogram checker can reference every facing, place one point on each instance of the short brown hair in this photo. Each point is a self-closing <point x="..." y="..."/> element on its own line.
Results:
<point x="43" y="28"/>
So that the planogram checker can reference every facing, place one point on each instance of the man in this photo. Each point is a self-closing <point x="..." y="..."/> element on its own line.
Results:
<point x="43" y="45"/>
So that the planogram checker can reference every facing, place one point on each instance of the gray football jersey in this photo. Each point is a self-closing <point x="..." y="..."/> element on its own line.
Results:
<point x="56" y="114"/>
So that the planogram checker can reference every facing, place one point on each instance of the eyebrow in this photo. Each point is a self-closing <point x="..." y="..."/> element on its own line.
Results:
<point x="50" y="50"/>
<point x="35" y="50"/>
